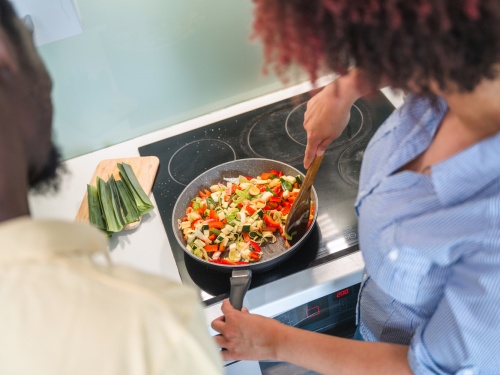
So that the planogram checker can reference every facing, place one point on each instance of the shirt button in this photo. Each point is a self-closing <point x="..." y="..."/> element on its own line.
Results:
<point x="393" y="255"/>
<point x="466" y="371"/>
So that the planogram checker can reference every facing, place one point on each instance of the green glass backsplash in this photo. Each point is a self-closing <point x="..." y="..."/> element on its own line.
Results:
<point x="142" y="65"/>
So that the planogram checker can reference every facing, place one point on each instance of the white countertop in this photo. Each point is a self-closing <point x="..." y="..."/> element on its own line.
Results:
<point x="147" y="247"/>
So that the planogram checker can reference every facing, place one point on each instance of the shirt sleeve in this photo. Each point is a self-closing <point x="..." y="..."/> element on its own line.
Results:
<point x="462" y="335"/>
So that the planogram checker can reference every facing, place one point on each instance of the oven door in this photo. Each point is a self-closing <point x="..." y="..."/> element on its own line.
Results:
<point x="333" y="314"/>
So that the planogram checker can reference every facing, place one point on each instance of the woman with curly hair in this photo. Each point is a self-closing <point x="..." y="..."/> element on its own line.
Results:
<point x="429" y="196"/>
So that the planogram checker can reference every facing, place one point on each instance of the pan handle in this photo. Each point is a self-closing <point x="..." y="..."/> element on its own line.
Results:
<point x="240" y="282"/>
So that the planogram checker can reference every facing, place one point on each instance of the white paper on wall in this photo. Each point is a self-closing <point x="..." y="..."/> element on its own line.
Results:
<point x="52" y="19"/>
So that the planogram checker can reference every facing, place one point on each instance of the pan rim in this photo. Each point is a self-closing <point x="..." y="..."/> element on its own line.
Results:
<point x="259" y="264"/>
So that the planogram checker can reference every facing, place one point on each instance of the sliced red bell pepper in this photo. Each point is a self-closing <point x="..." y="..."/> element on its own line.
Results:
<point x="255" y="246"/>
<point x="269" y="229"/>
<point x="222" y="261"/>
<point x="193" y="224"/>
<point x="254" y="256"/>
<point x="216" y="224"/>
<point x="203" y="194"/>
<point x="227" y="261"/>
<point x="250" y="210"/>
<point x="271" y="205"/>
<point x="270" y="222"/>
<point x="211" y="248"/>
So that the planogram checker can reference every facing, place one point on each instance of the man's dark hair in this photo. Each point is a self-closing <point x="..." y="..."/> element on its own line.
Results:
<point x="7" y="18"/>
<point x="454" y="41"/>
<point x="47" y="178"/>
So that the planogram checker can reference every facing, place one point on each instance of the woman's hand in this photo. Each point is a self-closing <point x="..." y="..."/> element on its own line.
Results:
<point x="246" y="336"/>
<point x="328" y="112"/>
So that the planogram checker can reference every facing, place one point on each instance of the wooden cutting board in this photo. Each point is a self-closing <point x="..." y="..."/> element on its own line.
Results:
<point x="145" y="168"/>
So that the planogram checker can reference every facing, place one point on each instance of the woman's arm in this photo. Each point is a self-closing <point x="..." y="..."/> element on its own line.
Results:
<point x="328" y="112"/>
<point x="252" y="337"/>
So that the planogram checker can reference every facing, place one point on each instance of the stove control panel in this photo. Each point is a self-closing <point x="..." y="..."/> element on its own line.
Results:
<point x="324" y="314"/>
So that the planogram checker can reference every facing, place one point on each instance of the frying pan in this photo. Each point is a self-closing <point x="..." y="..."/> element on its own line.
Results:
<point x="272" y="254"/>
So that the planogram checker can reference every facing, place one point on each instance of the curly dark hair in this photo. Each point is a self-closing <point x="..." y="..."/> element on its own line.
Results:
<point x="449" y="41"/>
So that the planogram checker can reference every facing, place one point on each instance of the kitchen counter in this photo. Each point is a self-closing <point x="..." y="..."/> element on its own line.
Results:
<point x="147" y="247"/>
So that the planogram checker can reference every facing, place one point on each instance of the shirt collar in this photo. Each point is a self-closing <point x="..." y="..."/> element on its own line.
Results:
<point x="417" y="122"/>
<point x="464" y="174"/>
<point x="27" y="239"/>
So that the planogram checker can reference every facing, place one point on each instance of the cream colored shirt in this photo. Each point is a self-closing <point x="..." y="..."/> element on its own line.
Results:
<point x="61" y="313"/>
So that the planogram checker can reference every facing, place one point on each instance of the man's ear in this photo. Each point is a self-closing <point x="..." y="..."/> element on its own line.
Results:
<point x="8" y="57"/>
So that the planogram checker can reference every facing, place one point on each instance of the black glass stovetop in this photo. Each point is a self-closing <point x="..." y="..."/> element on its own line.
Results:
<point x="273" y="132"/>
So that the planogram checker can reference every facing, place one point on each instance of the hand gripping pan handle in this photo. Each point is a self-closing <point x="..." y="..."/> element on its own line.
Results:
<point x="240" y="282"/>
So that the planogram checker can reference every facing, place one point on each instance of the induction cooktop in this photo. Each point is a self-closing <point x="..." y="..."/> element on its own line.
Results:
<point x="274" y="132"/>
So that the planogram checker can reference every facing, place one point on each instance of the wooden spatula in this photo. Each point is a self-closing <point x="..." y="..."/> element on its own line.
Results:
<point x="298" y="217"/>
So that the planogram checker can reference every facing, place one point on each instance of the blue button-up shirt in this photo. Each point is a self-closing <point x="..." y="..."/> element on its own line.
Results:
<point x="431" y="245"/>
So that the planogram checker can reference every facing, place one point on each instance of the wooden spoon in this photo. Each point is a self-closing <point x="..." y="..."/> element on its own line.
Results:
<point x="298" y="217"/>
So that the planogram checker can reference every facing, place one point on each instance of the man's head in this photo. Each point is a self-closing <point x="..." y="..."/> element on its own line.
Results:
<point x="404" y="41"/>
<point x="25" y="106"/>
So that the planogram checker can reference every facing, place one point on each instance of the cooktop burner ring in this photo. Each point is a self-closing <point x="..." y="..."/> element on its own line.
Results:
<point x="349" y="163"/>
<point x="266" y="137"/>
<point x="196" y="157"/>
<point x="301" y="121"/>
<point x="358" y="125"/>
